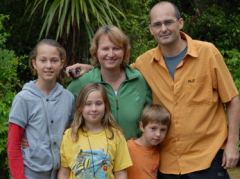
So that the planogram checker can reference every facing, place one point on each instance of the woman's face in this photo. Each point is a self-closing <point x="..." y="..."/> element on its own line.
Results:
<point x="109" y="55"/>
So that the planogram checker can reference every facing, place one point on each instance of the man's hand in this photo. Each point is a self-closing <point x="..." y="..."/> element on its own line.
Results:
<point x="77" y="70"/>
<point x="230" y="156"/>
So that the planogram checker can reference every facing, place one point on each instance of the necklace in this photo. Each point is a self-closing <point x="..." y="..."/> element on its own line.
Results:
<point x="104" y="161"/>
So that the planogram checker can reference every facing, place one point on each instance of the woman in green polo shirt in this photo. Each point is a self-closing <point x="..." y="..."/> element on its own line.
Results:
<point x="127" y="90"/>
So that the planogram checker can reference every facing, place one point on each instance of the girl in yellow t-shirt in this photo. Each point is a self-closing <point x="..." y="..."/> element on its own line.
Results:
<point x="93" y="147"/>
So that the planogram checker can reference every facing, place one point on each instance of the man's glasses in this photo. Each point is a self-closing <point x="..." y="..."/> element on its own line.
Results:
<point x="166" y="23"/>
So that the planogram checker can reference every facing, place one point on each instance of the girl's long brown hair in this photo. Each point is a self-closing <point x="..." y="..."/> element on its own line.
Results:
<point x="78" y="123"/>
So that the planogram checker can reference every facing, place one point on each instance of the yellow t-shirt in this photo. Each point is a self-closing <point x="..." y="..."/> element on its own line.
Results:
<point x="94" y="155"/>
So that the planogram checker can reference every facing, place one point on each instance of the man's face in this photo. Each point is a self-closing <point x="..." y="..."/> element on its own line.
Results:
<point x="165" y="27"/>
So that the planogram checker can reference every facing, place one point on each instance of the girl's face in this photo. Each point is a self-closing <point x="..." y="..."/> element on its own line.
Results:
<point x="94" y="110"/>
<point x="109" y="55"/>
<point x="48" y="63"/>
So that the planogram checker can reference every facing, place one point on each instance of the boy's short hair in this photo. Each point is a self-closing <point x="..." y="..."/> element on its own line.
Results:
<point x="155" y="113"/>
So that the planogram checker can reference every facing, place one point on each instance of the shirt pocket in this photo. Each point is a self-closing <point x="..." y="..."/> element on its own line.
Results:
<point x="198" y="89"/>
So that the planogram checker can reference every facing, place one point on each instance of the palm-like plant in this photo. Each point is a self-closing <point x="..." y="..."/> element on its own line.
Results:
<point x="73" y="19"/>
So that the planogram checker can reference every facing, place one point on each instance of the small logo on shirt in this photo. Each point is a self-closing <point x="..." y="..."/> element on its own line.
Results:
<point x="191" y="80"/>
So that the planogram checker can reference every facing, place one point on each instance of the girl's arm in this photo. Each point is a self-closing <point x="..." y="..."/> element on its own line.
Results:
<point x="15" y="159"/>
<point x="63" y="173"/>
<point x="122" y="174"/>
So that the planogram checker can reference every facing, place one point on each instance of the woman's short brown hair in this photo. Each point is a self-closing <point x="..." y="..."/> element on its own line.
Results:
<point x="116" y="36"/>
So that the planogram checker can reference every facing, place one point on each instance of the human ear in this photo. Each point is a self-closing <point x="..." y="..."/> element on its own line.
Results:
<point x="181" y="23"/>
<point x="141" y="126"/>
<point x="150" y="29"/>
<point x="34" y="63"/>
<point x="62" y="63"/>
<point x="34" y="66"/>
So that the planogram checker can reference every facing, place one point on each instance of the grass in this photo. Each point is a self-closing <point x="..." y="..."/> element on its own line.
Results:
<point x="234" y="173"/>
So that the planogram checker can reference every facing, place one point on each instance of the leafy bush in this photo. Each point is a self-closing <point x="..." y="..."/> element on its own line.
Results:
<point x="215" y="25"/>
<point x="137" y="28"/>
<point x="232" y="59"/>
<point x="8" y="83"/>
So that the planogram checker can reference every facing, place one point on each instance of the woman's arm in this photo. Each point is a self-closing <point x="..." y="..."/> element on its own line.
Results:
<point x="15" y="159"/>
<point x="122" y="174"/>
<point x="63" y="173"/>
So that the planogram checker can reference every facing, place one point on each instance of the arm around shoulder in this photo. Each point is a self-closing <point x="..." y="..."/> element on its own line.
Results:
<point x="77" y="70"/>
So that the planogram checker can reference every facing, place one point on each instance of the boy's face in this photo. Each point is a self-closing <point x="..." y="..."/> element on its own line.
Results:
<point x="153" y="133"/>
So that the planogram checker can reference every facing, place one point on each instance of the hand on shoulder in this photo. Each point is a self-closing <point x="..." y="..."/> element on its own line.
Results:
<point x="77" y="70"/>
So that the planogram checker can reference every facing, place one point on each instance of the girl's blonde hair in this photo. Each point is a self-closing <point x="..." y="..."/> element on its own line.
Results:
<point x="62" y="53"/>
<point x="116" y="36"/>
<point x="78" y="123"/>
<point x="155" y="113"/>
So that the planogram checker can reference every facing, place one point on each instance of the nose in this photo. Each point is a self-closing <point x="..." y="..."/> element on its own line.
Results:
<point x="49" y="64"/>
<point x="163" y="27"/>
<point x="111" y="53"/>
<point x="93" y="107"/>
<point x="158" y="133"/>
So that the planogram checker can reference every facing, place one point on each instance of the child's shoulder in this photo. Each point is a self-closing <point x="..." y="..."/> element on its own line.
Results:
<point x="26" y="92"/>
<point x="131" y="142"/>
<point x="67" y="132"/>
<point x="68" y="94"/>
<point x="117" y="134"/>
<point x="64" y="90"/>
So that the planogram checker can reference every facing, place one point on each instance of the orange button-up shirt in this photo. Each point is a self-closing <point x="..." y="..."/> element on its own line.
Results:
<point x="195" y="97"/>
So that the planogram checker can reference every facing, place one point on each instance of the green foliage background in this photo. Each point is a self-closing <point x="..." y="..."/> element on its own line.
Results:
<point x="8" y="83"/>
<point x="217" y="21"/>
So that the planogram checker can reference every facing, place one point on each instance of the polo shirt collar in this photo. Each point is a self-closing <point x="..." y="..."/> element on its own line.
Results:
<point x="130" y="74"/>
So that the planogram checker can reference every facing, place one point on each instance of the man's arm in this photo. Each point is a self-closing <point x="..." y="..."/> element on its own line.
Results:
<point x="231" y="153"/>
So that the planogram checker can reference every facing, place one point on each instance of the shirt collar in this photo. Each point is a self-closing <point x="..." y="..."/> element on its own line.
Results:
<point x="191" y="51"/>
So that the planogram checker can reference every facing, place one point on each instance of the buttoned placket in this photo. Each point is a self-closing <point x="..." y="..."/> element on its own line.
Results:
<point x="50" y="128"/>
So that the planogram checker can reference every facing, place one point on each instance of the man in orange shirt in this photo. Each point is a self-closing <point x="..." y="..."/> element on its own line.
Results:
<point x="191" y="80"/>
<point x="189" y="77"/>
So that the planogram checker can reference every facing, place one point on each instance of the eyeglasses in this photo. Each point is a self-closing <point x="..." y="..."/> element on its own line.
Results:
<point x="166" y="23"/>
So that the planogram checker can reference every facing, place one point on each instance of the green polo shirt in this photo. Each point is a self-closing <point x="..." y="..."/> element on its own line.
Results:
<point x="129" y="101"/>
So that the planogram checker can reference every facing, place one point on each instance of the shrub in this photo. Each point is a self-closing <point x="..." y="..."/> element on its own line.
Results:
<point x="8" y="83"/>
<point x="232" y="59"/>
<point x="215" y="25"/>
